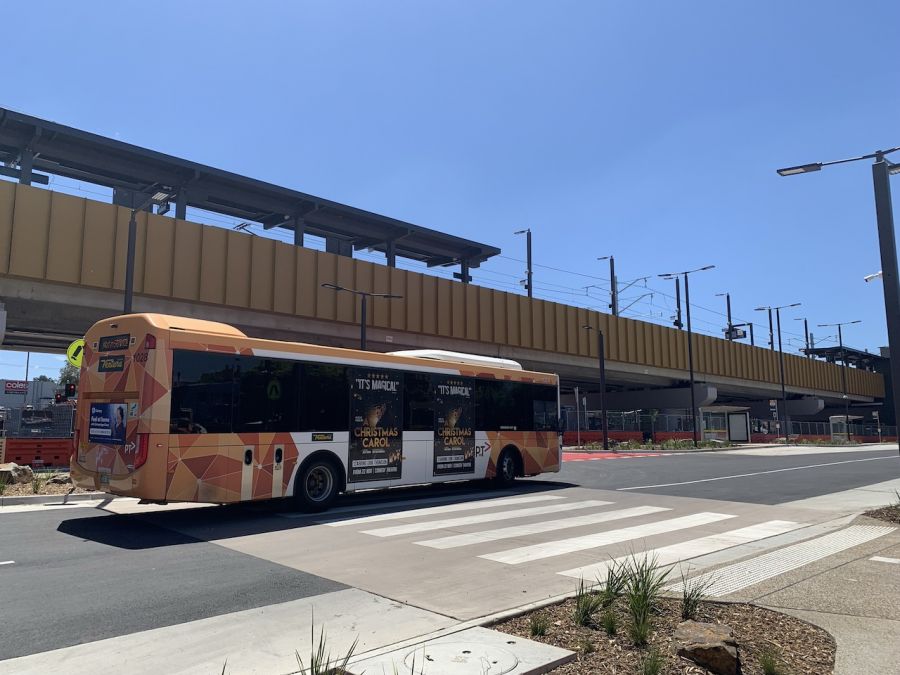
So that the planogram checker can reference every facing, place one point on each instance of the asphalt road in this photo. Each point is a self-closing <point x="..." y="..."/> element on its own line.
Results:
<point x="83" y="574"/>
<point x="739" y="478"/>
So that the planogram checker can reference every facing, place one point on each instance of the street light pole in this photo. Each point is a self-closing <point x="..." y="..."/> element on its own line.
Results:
<point x="528" y="270"/>
<point x="844" y="393"/>
<point x="159" y="197"/>
<point x="613" y="285"/>
<point x="602" y="363"/>
<point x="786" y="418"/>
<point x="806" y="336"/>
<point x="882" y="169"/>
<point x="690" y="340"/>
<point x="729" y="332"/>
<point x="771" y="334"/>
<point x="364" y="297"/>
<point x="678" y="323"/>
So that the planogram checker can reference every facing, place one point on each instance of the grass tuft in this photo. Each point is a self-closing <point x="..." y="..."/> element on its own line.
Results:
<point x="4" y="481"/>
<point x="652" y="663"/>
<point x="643" y="591"/>
<point x="585" y="646"/>
<point x="694" y="591"/>
<point x="610" y="622"/>
<point x="770" y="662"/>
<point x="37" y="481"/>
<point x="539" y="624"/>
<point x="320" y="661"/>
<point x="616" y="581"/>
<point x="586" y="605"/>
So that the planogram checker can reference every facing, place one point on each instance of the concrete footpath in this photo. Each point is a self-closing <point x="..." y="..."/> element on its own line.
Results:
<point x="854" y="595"/>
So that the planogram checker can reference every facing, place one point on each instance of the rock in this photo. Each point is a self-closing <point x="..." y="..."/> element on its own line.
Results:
<point x="13" y="473"/>
<point x="59" y="479"/>
<point x="709" y="645"/>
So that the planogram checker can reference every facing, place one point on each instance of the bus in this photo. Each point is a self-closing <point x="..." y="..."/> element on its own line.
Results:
<point x="174" y="409"/>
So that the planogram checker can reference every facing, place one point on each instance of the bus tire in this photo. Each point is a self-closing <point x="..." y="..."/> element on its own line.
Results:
<point x="317" y="484"/>
<point x="507" y="467"/>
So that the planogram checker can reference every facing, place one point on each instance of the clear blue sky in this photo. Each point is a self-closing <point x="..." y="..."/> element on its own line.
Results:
<point x="649" y="130"/>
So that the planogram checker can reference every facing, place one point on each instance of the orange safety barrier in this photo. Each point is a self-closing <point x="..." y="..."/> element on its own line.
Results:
<point x="40" y="452"/>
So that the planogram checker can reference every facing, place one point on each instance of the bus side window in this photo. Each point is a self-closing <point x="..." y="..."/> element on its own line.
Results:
<point x="266" y="397"/>
<point x="418" y="390"/>
<point x="325" y="398"/>
<point x="202" y="392"/>
<point x="545" y="410"/>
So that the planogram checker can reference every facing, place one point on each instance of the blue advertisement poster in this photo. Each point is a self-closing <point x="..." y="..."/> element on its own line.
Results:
<point x="107" y="423"/>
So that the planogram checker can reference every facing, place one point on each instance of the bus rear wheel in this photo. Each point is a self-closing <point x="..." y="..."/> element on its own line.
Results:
<point x="507" y="468"/>
<point x="317" y="485"/>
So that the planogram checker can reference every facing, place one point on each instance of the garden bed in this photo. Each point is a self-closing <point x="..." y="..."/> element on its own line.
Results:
<point x="768" y="642"/>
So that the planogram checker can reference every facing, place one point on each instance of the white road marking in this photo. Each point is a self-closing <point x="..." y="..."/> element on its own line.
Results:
<point x="536" y="528"/>
<point x="8" y="562"/>
<point x="876" y="558"/>
<point x="694" y="548"/>
<point x="757" y="473"/>
<point x="549" y="549"/>
<point x="481" y="518"/>
<point x="449" y="508"/>
<point x="739" y="576"/>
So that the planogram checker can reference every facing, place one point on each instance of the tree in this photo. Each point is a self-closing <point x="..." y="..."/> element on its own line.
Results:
<point x="69" y="374"/>
<point x="44" y="378"/>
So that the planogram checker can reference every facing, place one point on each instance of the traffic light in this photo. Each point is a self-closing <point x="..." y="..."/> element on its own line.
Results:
<point x="71" y="389"/>
<point x="59" y="398"/>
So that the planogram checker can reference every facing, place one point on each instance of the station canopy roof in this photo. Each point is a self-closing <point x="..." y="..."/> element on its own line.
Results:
<point x="73" y="153"/>
<point x="853" y="357"/>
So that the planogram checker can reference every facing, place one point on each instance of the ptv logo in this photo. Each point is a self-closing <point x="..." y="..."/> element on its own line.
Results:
<point x="482" y="449"/>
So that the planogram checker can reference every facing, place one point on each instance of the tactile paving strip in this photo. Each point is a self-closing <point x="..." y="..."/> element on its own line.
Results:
<point x="739" y="576"/>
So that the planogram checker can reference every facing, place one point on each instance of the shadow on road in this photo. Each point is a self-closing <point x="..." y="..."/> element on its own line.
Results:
<point x="156" y="529"/>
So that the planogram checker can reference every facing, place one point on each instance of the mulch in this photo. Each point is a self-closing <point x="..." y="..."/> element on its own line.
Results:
<point x="889" y="513"/>
<point x="802" y="649"/>
<point x="27" y="490"/>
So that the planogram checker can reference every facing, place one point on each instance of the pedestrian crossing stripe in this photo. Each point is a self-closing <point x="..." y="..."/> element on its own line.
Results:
<point x="551" y="549"/>
<point x="448" y="508"/>
<point x="482" y="518"/>
<point x="485" y="536"/>
<point x="693" y="548"/>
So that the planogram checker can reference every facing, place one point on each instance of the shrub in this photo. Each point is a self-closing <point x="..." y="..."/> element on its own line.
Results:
<point x="644" y="588"/>
<point x="37" y="481"/>
<point x="538" y="624"/>
<point x="610" y="622"/>
<point x="616" y="581"/>
<point x="320" y="661"/>
<point x="4" y="481"/>
<point x="586" y="605"/>
<point x="652" y="663"/>
<point x="693" y="592"/>
<point x="770" y="662"/>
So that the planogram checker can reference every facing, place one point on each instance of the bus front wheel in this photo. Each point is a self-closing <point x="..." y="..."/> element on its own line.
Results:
<point x="317" y="485"/>
<point x="507" y="467"/>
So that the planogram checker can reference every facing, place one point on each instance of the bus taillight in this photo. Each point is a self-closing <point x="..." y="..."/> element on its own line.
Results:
<point x="143" y="445"/>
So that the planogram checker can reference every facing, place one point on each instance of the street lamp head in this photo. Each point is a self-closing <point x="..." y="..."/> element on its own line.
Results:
<point x="803" y="168"/>
<point x="761" y="309"/>
<point x="703" y="269"/>
<point x="606" y="257"/>
<point x="334" y="287"/>
<point x="586" y="327"/>
<point x="525" y="231"/>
